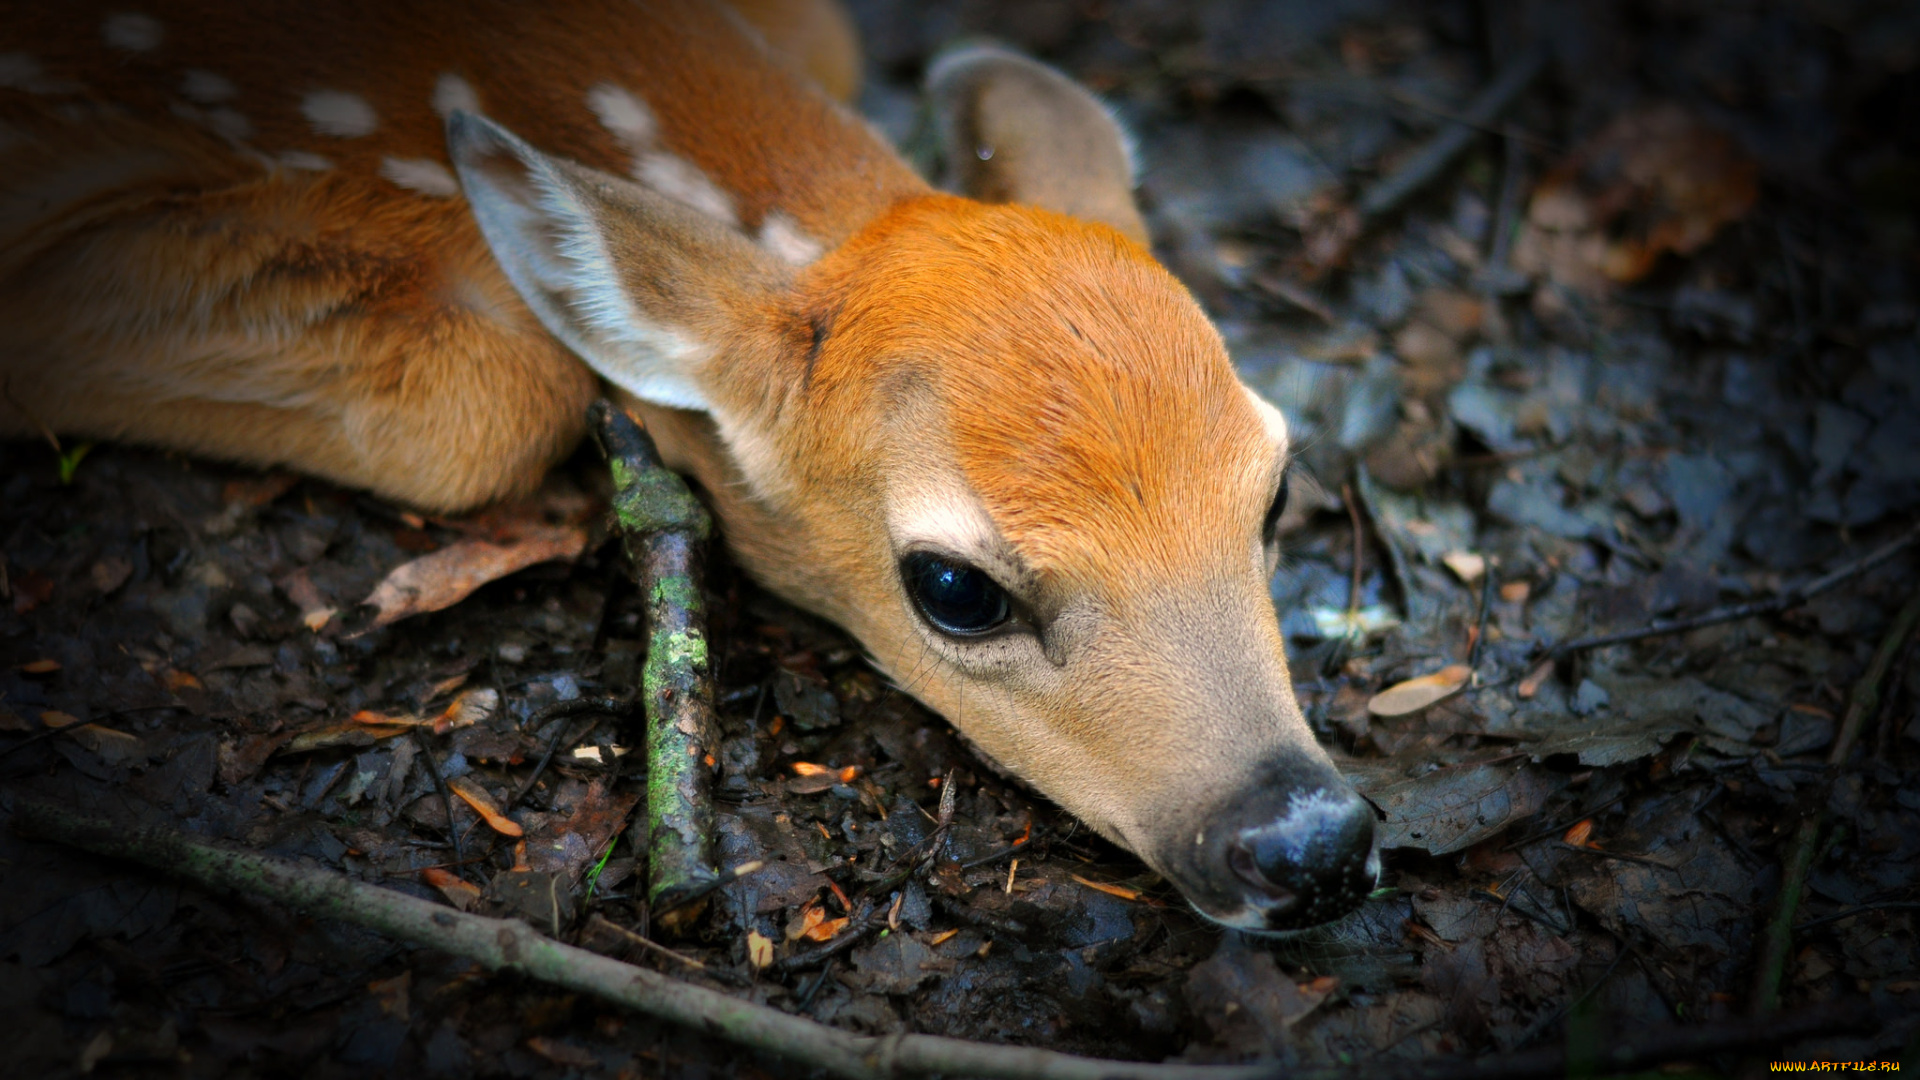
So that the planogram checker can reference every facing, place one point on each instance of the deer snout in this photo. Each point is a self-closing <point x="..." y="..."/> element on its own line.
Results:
<point x="1312" y="863"/>
<point x="1286" y="852"/>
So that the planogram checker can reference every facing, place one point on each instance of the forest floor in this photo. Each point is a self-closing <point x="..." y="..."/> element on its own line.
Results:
<point x="1644" y="348"/>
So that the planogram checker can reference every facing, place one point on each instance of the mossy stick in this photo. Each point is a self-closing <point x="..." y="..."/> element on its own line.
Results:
<point x="662" y="527"/>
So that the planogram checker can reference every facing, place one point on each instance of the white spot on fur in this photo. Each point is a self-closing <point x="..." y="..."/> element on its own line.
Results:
<point x="207" y="88"/>
<point x="304" y="161"/>
<point x="780" y="235"/>
<point x="624" y="115"/>
<point x="683" y="182"/>
<point x="424" y="175"/>
<point x="340" y="114"/>
<point x="133" y="32"/>
<point x="452" y="94"/>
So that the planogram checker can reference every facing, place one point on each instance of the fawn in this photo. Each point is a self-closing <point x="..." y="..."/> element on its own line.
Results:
<point x="398" y="244"/>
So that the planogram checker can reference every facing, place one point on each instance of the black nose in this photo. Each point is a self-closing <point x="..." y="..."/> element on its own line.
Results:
<point x="1312" y="864"/>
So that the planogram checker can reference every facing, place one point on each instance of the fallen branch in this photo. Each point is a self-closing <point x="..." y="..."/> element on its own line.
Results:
<point x="511" y="945"/>
<point x="1776" y="942"/>
<point x="1430" y="160"/>
<point x="1784" y="600"/>
<point x="662" y="526"/>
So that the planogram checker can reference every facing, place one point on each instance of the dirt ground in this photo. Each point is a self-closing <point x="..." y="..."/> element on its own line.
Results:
<point x="1645" y="348"/>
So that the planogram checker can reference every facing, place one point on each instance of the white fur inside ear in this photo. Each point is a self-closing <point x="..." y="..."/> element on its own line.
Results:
<point x="547" y="237"/>
<point x="1275" y="422"/>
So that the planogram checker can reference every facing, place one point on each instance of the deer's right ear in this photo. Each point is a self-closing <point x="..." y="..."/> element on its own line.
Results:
<point x="1013" y="130"/>
<point x="642" y="287"/>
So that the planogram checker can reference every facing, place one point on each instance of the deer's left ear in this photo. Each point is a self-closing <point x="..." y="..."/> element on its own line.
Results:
<point x="645" y="288"/>
<point x="1013" y="130"/>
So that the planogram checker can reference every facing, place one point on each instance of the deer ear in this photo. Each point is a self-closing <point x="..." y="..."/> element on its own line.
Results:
<point x="1012" y="129"/>
<point x="643" y="287"/>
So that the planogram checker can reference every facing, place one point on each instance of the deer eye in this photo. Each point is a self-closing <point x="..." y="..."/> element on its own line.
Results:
<point x="1279" y="507"/>
<point x="956" y="599"/>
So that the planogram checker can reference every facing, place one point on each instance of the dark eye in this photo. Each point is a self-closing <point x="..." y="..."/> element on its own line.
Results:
<point x="956" y="598"/>
<point x="1278" y="508"/>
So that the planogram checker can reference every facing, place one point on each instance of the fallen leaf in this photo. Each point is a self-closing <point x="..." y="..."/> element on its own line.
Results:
<point x="467" y="710"/>
<point x="759" y="950"/>
<point x="1530" y="685"/>
<point x="369" y="716"/>
<point x="1452" y="809"/>
<point x="1465" y="565"/>
<point x="1578" y="834"/>
<point x="40" y="667"/>
<point x="826" y="930"/>
<point x="341" y="733"/>
<point x="1514" y="592"/>
<point x="459" y="892"/>
<point x="943" y="936"/>
<point x="1416" y="694"/>
<point x="175" y="679"/>
<point x="563" y="1053"/>
<point x="444" y="578"/>
<point x="315" y="613"/>
<point x="392" y="994"/>
<point x="110" y="573"/>
<point x="1654" y="181"/>
<point x="109" y="745"/>
<point x="477" y="797"/>
<point x="808" y="768"/>
<point x="30" y="590"/>
<point x="54" y="718"/>
<point x="810" y="916"/>
<point x="1120" y="891"/>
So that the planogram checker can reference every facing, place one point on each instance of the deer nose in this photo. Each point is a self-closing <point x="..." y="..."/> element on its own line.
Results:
<point x="1312" y="864"/>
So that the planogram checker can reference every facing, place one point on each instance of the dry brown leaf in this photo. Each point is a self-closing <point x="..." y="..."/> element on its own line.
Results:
<point x="474" y="795"/>
<point x="446" y="577"/>
<point x="826" y="929"/>
<point x="563" y="1053"/>
<point x="1120" y="891"/>
<point x="175" y="679"/>
<point x="1465" y="565"/>
<point x="1530" y="685"/>
<point x="467" y="710"/>
<point x="315" y="613"/>
<point x="54" y="718"/>
<point x="1416" y="694"/>
<point x="809" y="917"/>
<point x="341" y="733"/>
<point x="40" y="667"/>
<point x="943" y="936"/>
<point x="459" y="892"/>
<point x="759" y="950"/>
<point x="1655" y="180"/>
<point x="109" y="745"/>
<point x="110" y="573"/>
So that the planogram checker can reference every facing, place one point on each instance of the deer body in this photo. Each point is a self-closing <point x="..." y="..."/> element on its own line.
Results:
<point x="998" y="443"/>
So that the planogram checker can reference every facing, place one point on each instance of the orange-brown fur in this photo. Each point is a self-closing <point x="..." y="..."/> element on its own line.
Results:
<point x="405" y="364"/>
<point x="895" y="371"/>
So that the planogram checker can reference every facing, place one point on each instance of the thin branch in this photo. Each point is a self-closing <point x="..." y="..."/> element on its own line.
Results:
<point x="1776" y="943"/>
<point x="1430" y="160"/>
<point x="511" y="945"/>
<point x="1782" y="601"/>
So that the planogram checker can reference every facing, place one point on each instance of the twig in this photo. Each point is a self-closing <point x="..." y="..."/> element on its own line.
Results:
<point x="1849" y="912"/>
<point x="662" y="527"/>
<point x="1430" y="160"/>
<point x="1359" y="547"/>
<point x="1777" y="941"/>
<point x="446" y="795"/>
<point x="598" y="922"/>
<point x="858" y="926"/>
<point x="1788" y="598"/>
<point x="702" y="891"/>
<point x="563" y="710"/>
<point x="1488" y="571"/>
